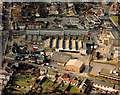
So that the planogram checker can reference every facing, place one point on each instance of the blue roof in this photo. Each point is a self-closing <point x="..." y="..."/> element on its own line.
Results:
<point x="112" y="10"/>
<point x="38" y="51"/>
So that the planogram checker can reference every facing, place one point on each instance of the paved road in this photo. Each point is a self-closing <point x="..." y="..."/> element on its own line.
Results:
<point x="0" y="48"/>
<point x="5" y="34"/>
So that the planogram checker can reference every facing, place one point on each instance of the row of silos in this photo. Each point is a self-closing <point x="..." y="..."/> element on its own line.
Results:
<point x="64" y="44"/>
<point x="29" y="37"/>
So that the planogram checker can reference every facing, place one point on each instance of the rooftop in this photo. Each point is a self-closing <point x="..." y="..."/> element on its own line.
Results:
<point x="103" y="83"/>
<point x="61" y="57"/>
<point x="107" y="72"/>
<point x="75" y="62"/>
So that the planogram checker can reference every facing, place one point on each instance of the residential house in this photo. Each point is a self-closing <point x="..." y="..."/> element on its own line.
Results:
<point x="107" y="87"/>
<point x="86" y="86"/>
<point x="43" y="71"/>
<point x="108" y="24"/>
<point x="52" y="75"/>
<point x="60" y="80"/>
<point x="98" y="11"/>
<point x="21" y="26"/>
<point x="40" y="59"/>
<point x="116" y="54"/>
<point x="74" y="81"/>
<point x="114" y="9"/>
<point x="16" y="11"/>
<point x="41" y="77"/>
<point x="53" y="11"/>
<point x="66" y="78"/>
<point x="34" y="26"/>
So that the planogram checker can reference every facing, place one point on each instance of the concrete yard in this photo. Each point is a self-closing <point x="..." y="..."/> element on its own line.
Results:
<point x="97" y="67"/>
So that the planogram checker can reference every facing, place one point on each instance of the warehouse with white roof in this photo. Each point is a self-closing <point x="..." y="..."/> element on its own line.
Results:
<point x="75" y="65"/>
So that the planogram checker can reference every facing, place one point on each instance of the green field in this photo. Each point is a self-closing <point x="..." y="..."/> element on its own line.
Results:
<point x="73" y="90"/>
<point x="22" y="81"/>
<point x="63" y="87"/>
<point x="55" y="85"/>
<point x="115" y="18"/>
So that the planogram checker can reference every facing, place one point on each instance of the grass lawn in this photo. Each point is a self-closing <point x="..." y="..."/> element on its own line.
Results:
<point x="73" y="90"/>
<point x="63" y="87"/>
<point x="19" y="91"/>
<point x="15" y="92"/>
<point x="7" y="50"/>
<point x="55" y="85"/>
<point x="91" y="76"/>
<point x="22" y="82"/>
<point x="49" y="83"/>
<point x="43" y="25"/>
<point x="23" y="77"/>
<point x="115" y="18"/>
<point x="23" y="54"/>
<point x="45" y="82"/>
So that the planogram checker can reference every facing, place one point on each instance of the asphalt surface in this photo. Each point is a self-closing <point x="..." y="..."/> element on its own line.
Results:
<point x="4" y="38"/>
<point x="0" y="48"/>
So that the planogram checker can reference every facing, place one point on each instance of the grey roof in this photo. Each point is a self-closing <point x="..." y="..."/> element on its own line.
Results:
<point x="85" y="84"/>
<point x="117" y="86"/>
<point x="61" y="57"/>
<point x="111" y="49"/>
<point x="107" y="72"/>
<point x="107" y="51"/>
<point x="103" y="83"/>
<point x="107" y="22"/>
<point x="57" y="31"/>
<point x="103" y="17"/>
<point x="76" y="32"/>
<point x="21" y="24"/>
<point x="116" y="42"/>
<point x="95" y="10"/>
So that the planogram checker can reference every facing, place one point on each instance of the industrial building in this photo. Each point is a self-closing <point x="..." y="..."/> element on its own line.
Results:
<point x="61" y="40"/>
<point x="66" y="44"/>
<point x="60" y="58"/>
<point x="109" y="74"/>
<point x="75" y="65"/>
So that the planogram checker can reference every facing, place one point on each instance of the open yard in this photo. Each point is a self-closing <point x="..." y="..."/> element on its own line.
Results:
<point x="22" y="84"/>
<point x="48" y="85"/>
<point x="73" y="90"/>
<point x="24" y="81"/>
